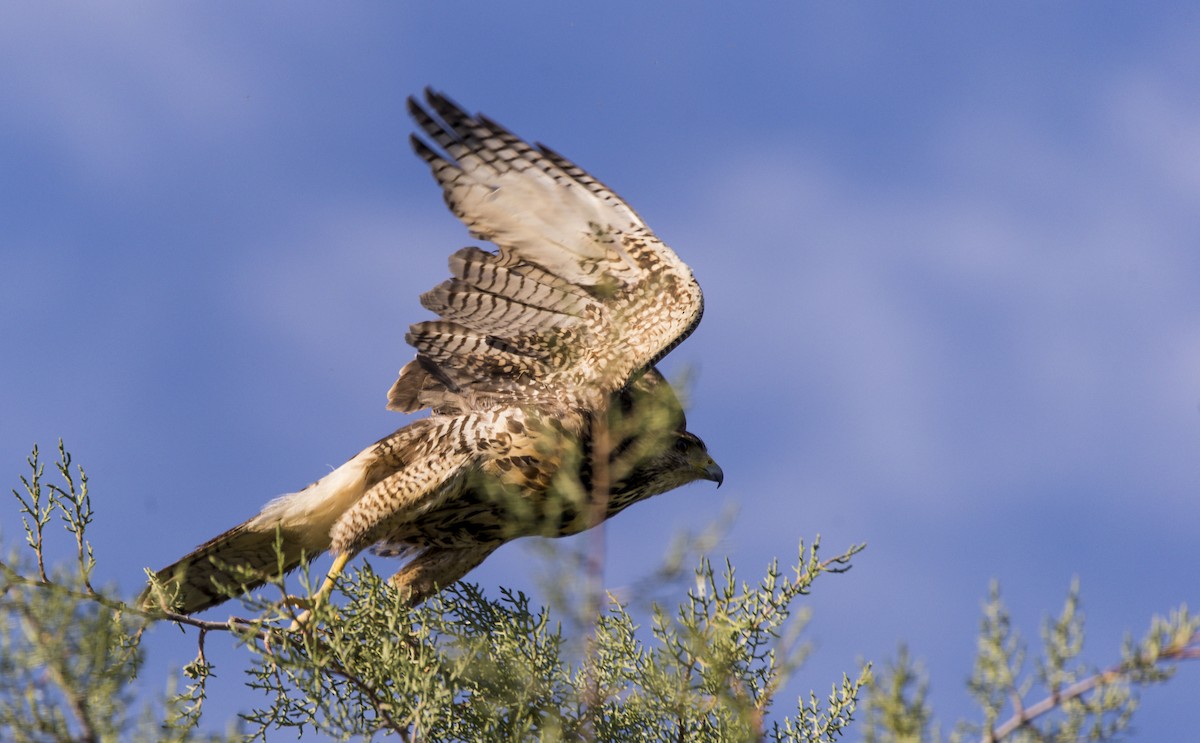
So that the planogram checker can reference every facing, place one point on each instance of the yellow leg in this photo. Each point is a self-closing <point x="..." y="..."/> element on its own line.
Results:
<point x="339" y="564"/>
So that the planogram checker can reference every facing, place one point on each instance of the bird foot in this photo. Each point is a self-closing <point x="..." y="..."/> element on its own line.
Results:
<point x="301" y="621"/>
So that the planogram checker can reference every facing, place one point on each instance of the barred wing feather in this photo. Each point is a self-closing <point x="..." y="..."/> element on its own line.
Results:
<point x="579" y="298"/>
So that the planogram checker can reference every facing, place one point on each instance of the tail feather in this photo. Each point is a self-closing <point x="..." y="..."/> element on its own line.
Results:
<point x="238" y="560"/>
<point x="246" y="556"/>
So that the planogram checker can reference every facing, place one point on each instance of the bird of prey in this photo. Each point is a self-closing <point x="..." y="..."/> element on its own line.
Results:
<point x="547" y="414"/>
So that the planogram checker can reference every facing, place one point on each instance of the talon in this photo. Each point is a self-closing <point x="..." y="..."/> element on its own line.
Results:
<point x="300" y="621"/>
<point x="339" y="564"/>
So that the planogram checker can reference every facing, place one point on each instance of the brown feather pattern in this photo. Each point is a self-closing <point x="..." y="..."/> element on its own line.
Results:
<point x="534" y="347"/>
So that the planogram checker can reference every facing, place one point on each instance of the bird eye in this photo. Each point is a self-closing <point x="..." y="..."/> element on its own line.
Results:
<point x="682" y="444"/>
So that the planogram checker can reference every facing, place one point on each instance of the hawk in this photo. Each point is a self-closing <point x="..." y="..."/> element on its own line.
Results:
<point x="547" y="414"/>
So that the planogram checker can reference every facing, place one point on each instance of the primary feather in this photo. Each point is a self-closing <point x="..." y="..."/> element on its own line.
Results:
<point x="547" y="415"/>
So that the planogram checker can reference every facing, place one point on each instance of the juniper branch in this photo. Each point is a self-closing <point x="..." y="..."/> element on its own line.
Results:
<point x="1126" y="670"/>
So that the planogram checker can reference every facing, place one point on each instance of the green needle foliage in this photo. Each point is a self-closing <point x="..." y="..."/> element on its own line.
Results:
<point x="465" y="666"/>
<point x="897" y="708"/>
<point x="1062" y="699"/>
<point x="461" y="666"/>
<point x="69" y="653"/>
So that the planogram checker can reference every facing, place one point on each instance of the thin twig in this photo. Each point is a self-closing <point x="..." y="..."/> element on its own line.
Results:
<point x="838" y="564"/>
<point x="1189" y="650"/>
<point x="33" y="535"/>
<point x="200" y="659"/>
<point x="336" y="668"/>
<point x="230" y="625"/>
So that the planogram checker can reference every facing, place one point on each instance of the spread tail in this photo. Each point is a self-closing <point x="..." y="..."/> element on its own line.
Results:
<point x="246" y="556"/>
<point x="238" y="560"/>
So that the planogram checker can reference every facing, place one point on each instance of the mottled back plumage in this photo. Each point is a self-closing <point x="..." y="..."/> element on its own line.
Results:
<point x="546" y="414"/>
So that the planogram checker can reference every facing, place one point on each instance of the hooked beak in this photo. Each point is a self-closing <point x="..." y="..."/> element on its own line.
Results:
<point x="712" y="471"/>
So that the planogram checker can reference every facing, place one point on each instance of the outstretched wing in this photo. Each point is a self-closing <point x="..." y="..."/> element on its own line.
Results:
<point x="579" y="297"/>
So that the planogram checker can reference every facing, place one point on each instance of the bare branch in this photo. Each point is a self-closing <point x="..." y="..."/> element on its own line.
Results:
<point x="1190" y="650"/>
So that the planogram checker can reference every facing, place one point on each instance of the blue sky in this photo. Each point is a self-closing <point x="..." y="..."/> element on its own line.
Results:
<point x="951" y="260"/>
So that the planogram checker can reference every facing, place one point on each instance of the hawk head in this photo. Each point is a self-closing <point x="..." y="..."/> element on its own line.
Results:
<point x="685" y="460"/>
<point x="651" y="450"/>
